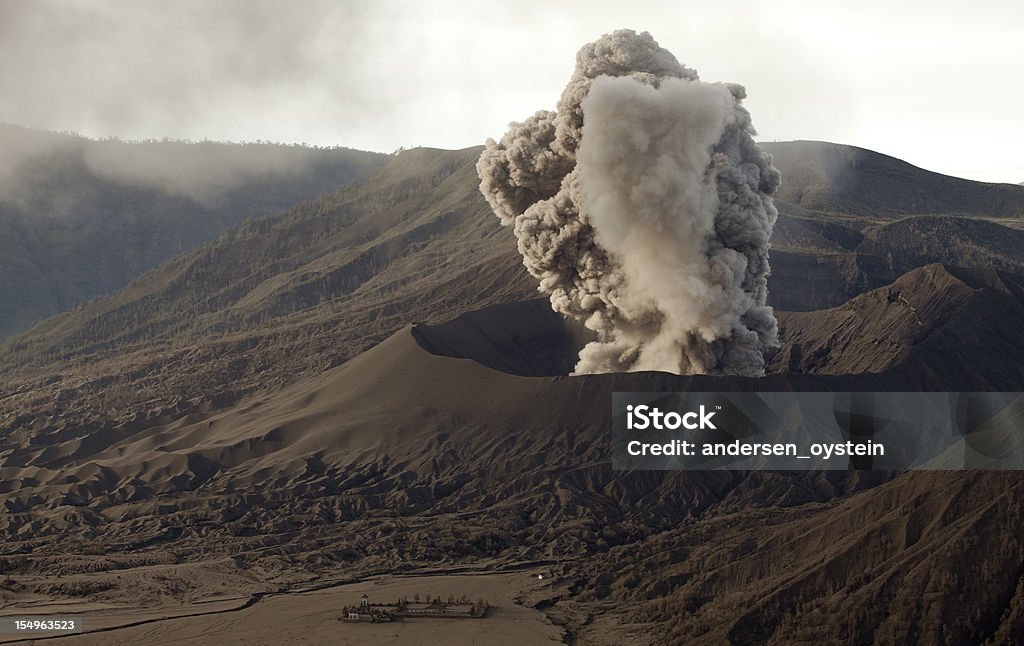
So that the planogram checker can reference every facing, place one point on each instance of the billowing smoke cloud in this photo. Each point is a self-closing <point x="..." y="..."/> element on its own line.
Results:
<point x="644" y="208"/>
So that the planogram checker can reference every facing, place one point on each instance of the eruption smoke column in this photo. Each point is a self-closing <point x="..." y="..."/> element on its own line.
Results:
<point x="644" y="208"/>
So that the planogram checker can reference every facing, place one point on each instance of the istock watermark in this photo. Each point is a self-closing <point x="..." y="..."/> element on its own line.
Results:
<point x="817" y="430"/>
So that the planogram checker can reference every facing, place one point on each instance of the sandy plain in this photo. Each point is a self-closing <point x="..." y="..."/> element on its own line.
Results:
<point x="310" y="616"/>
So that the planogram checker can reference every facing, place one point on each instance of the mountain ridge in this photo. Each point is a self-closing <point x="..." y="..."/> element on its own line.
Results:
<point x="838" y="178"/>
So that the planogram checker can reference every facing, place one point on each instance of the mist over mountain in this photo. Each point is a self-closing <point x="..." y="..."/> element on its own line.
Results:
<point x="80" y="218"/>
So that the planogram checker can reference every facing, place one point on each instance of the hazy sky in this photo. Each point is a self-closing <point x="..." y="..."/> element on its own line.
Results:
<point x="936" y="83"/>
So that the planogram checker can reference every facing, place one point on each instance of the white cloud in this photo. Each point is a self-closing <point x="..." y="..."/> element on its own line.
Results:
<point x="938" y="86"/>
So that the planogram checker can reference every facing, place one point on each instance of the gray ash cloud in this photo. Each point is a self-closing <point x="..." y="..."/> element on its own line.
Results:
<point x="643" y="206"/>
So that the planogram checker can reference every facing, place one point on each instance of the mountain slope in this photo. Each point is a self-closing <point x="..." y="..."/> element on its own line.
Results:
<point x="285" y="296"/>
<point x="401" y="456"/>
<point x="965" y="242"/>
<point x="960" y="326"/>
<point x="401" y="416"/>
<point x="395" y="430"/>
<point x="927" y="558"/>
<point x="80" y="218"/>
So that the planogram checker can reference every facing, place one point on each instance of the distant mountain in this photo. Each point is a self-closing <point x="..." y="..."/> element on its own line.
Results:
<point x="80" y="218"/>
<point x="830" y="178"/>
<point x="118" y="209"/>
<point x="843" y="225"/>
<point x="306" y="290"/>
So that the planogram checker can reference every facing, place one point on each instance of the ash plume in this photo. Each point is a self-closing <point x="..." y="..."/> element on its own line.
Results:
<point x="643" y="207"/>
